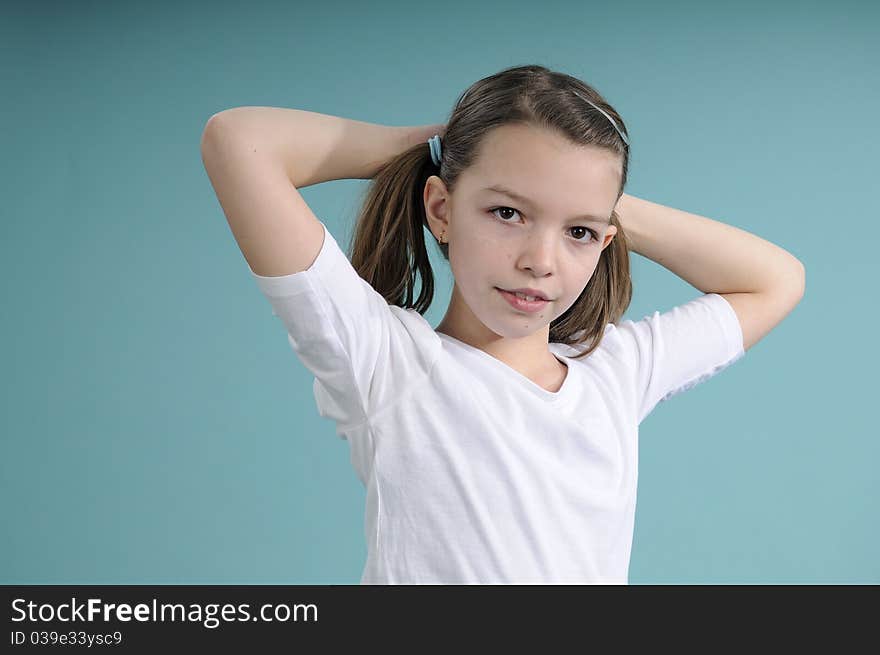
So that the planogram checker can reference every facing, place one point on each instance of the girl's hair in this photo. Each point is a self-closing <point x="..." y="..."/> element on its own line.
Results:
<point x="388" y="245"/>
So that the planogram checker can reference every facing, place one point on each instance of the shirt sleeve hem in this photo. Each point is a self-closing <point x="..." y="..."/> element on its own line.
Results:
<point x="732" y="328"/>
<point x="279" y="286"/>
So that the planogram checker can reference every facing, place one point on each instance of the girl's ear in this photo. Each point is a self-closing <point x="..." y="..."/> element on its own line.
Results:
<point x="609" y="236"/>
<point x="435" y="198"/>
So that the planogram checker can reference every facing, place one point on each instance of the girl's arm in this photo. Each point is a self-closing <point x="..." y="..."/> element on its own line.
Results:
<point x="760" y="280"/>
<point x="314" y="147"/>
<point x="257" y="158"/>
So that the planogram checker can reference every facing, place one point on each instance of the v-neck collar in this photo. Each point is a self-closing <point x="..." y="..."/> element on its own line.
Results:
<point x="554" y="397"/>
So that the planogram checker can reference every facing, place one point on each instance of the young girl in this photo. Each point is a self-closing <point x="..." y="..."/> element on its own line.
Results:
<point x="502" y="446"/>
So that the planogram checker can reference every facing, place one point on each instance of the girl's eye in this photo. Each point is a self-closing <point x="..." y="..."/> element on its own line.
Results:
<point x="492" y="211"/>
<point x="590" y="233"/>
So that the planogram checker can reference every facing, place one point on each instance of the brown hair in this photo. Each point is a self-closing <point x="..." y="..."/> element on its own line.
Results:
<point x="388" y="244"/>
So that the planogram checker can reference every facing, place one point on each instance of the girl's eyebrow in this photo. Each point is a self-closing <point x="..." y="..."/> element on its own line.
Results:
<point x="497" y="188"/>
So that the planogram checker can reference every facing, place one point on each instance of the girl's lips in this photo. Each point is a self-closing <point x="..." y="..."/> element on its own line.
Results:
<point x="520" y="303"/>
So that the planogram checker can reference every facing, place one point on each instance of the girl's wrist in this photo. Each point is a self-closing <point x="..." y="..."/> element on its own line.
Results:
<point x="418" y="134"/>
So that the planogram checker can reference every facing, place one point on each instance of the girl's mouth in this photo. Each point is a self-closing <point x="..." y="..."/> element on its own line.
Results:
<point x="522" y="304"/>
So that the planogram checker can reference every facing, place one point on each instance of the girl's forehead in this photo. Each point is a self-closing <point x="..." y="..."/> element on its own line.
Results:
<point x="517" y="157"/>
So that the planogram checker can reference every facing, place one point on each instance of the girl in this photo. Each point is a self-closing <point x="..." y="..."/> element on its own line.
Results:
<point x="502" y="446"/>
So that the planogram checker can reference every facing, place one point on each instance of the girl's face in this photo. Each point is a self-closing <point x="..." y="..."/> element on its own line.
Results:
<point x="542" y="241"/>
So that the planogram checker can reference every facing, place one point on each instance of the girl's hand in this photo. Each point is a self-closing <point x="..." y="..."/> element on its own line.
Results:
<point x="419" y="134"/>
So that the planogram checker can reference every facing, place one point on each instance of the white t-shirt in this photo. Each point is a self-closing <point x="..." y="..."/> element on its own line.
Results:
<point x="473" y="473"/>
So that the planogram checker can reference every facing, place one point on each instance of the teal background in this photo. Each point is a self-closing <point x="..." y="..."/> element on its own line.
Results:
<point x="157" y="427"/>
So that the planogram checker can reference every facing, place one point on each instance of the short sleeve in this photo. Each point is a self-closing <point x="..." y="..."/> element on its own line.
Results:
<point x="362" y="351"/>
<point x="670" y="352"/>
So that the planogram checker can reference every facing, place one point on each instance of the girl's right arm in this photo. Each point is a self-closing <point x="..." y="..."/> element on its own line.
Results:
<point x="256" y="157"/>
<point x="255" y="160"/>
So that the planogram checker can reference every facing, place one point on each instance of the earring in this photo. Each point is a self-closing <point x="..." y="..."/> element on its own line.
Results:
<point x="440" y="240"/>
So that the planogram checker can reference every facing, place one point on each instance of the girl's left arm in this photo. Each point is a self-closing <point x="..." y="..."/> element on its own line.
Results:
<point x="760" y="280"/>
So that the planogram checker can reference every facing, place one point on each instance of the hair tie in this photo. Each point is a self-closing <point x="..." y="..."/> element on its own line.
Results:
<point x="436" y="151"/>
